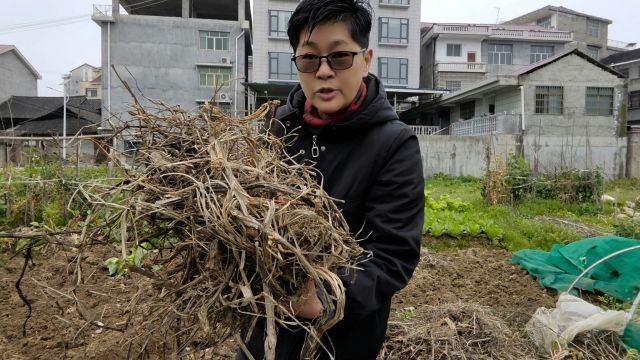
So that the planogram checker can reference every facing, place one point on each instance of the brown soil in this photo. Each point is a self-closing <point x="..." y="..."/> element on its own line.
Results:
<point x="56" y="330"/>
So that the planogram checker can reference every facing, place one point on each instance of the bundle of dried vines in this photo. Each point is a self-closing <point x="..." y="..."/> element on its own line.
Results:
<point x="247" y="227"/>
<point x="453" y="331"/>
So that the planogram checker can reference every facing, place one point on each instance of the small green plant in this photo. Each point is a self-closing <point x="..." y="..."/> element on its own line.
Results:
<point x="517" y="177"/>
<point x="118" y="266"/>
<point x="610" y="303"/>
<point x="627" y="229"/>
<point x="406" y="313"/>
<point x="455" y="218"/>
<point x="632" y="354"/>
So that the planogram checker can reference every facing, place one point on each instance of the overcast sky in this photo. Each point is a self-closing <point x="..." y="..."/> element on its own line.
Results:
<point x="62" y="36"/>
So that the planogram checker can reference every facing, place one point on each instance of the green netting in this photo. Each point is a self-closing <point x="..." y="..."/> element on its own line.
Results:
<point x="618" y="277"/>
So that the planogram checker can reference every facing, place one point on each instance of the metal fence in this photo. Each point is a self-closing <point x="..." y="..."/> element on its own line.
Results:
<point x="424" y="130"/>
<point x="492" y="124"/>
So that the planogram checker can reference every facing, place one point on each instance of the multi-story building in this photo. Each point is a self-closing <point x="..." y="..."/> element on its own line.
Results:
<point x="17" y="76"/>
<point x="85" y="80"/>
<point x="395" y="41"/>
<point x="455" y="56"/>
<point x="181" y="52"/>
<point x="590" y="33"/>
<point x="628" y="64"/>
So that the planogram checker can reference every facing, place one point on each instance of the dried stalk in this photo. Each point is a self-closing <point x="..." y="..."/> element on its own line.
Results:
<point x="243" y="226"/>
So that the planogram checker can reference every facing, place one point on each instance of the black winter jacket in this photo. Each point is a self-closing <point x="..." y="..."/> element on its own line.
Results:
<point x="372" y="162"/>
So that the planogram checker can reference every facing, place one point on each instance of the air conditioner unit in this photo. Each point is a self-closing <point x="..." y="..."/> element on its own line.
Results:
<point x="224" y="97"/>
<point x="225" y="60"/>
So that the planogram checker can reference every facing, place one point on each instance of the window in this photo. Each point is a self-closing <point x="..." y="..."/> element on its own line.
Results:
<point x="468" y="110"/>
<point x="593" y="51"/>
<point x="393" y="70"/>
<point x="500" y="54"/>
<point x="91" y="92"/>
<point x="540" y="53"/>
<point x="593" y="28"/>
<point x="545" y="22"/>
<point x="549" y="99"/>
<point x="395" y="2"/>
<point x="453" y="85"/>
<point x="211" y="76"/>
<point x="281" y="67"/>
<point x="278" y="20"/>
<point x="214" y="40"/>
<point x="454" y="50"/>
<point x="634" y="100"/>
<point x="599" y="101"/>
<point x="394" y="31"/>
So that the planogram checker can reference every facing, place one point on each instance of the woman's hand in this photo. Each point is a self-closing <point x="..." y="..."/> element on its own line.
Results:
<point x="308" y="305"/>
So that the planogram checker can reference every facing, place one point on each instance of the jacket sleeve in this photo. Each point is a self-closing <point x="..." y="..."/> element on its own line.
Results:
<point x="394" y="216"/>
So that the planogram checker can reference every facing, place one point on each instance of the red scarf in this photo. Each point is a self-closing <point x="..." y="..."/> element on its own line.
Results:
<point x="312" y="118"/>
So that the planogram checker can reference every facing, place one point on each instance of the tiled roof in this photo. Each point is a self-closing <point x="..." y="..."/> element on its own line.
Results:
<point x="53" y="126"/>
<point x="621" y="57"/>
<point x="542" y="63"/>
<point x="19" y="109"/>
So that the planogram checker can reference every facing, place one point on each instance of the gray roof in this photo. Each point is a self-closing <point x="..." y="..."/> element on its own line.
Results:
<point x="542" y="63"/>
<point x="54" y="126"/>
<point x="562" y="9"/>
<point x="622" y="57"/>
<point x="20" y="109"/>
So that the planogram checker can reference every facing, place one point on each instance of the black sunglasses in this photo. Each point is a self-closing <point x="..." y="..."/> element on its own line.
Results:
<point x="339" y="60"/>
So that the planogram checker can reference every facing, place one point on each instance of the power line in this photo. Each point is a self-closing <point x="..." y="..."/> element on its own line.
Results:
<point x="40" y="22"/>
<point x="43" y="25"/>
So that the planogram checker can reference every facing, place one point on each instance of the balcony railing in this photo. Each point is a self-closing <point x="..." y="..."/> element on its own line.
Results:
<point x="502" y="32"/>
<point x="424" y="130"/>
<point x="621" y="44"/>
<point x="461" y="67"/>
<point x="492" y="124"/>
<point x="102" y="10"/>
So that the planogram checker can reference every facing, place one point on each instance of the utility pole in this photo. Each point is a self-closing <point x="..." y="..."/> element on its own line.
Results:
<point x="65" y="99"/>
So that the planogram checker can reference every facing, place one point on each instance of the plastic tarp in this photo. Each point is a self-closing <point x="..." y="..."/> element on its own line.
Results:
<point x="618" y="277"/>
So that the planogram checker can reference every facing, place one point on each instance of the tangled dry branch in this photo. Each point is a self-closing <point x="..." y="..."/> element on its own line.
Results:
<point x="453" y="331"/>
<point x="241" y="228"/>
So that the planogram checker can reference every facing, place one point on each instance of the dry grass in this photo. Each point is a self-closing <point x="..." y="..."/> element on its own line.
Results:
<point x="453" y="331"/>
<point x="243" y="227"/>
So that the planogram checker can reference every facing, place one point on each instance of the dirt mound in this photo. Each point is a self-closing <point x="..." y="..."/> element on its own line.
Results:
<point x="480" y="277"/>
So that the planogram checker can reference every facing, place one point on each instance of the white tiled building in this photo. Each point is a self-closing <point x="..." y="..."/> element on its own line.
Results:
<point x="395" y="41"/>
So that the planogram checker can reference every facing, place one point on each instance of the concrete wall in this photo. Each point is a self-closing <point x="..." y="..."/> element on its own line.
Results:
<point x="578" y="25"/>
<point x="467" y="155"/>
<point x="550" y="153"/>
<point x="463" y="155"/>
<point x="161" y="53"/>
<point x="571" y="73"/>
<point x="467" y="79"/>
<point x="15" y="78"/>
<point x="508" y="101"/>
<point x="633" y="153"/>
<point x="521" y="54"/>
<point x="467" y="45"/>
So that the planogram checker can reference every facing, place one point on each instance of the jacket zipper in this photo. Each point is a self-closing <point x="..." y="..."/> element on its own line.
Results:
<point x="315" y="151"/>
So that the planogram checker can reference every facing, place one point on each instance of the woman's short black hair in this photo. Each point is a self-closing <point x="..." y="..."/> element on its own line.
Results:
<point x="356" y="14"/>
